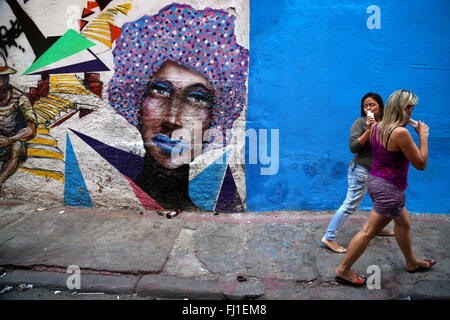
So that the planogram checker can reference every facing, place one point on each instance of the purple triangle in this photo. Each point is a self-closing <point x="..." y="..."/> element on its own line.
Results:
<point x="229" y="199"/>
<point x="84" y="112"/>
<point x="87" y="66"/>
<point x="127" y="163"/>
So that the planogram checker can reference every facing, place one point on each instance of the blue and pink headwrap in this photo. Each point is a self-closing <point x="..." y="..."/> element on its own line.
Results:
<point x="201" y="40"/>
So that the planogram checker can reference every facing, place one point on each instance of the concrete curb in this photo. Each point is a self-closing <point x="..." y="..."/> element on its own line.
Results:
<point x="58" y="280"/>
<point x="179" y="288"/>
<point x="170" y="287"/>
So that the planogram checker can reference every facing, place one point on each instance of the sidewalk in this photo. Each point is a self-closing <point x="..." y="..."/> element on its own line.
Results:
<point x="200" y="255"/>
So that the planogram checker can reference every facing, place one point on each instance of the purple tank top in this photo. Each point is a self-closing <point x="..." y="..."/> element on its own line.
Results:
<point x="389" y="165"/>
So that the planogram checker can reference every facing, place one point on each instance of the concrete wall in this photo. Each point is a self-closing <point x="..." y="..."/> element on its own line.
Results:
<point x="303" y="66"/>
<point x="312" y="62"/>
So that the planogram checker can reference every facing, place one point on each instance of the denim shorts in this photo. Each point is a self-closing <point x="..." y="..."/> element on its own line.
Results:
<point x="388" y="200"/>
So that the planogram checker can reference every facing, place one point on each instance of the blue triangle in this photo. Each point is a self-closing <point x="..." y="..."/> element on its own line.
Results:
<point x="75" y="190"/>
<point x="204" y="188"/>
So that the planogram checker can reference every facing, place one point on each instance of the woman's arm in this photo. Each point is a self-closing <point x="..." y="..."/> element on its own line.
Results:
<point x="359" y="136"/>
<point x="417" y="156"/>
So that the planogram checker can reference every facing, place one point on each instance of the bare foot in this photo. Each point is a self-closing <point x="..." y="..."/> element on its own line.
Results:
<point x="386" y="233"/>
<point x="333" y="246"/>
<point x="349" y="277"/>
<point x="419" y="265"/>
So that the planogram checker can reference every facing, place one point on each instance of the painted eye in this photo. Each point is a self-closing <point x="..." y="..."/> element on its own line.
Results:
<point x="159" y="90"/>
<point x="200" y="96"/>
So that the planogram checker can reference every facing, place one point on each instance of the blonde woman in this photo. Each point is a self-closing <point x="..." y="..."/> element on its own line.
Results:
<point x="392" y="149"/>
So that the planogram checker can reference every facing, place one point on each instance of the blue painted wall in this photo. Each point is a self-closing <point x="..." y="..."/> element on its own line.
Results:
<point x="310" y="64"/>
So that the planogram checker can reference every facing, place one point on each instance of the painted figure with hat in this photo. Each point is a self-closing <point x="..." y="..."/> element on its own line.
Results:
<point x="17" y="123"/>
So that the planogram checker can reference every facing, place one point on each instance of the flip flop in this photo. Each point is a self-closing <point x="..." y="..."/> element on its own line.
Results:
<point x="360" y="281"/>
<point x="326" y="246"/>
<point x="431" y="263"/>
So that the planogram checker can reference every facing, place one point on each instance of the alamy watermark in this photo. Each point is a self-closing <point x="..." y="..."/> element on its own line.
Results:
<point x="374" y="20"/>
<point x="73" y="281"/>
<point x="374" y="280"/>
<point x="180" y="145"/>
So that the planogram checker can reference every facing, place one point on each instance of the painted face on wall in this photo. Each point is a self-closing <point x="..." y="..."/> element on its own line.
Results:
<point x="176" y="111"/>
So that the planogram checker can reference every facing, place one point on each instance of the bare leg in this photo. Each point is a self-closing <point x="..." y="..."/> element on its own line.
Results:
<point x="403" y="237"/>
<point x="374" y="224"/>
<point x="10" y="166"/>
<point x="386" y="233"/>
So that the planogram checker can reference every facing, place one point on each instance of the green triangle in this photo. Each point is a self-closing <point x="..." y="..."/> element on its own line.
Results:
<point x="70" y="43"/>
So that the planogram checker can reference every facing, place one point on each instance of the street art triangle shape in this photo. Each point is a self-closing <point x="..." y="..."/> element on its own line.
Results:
<point x="76" y="193"/>
<point x="38" y="42"/>
<point x="83" y="23"/>
<point x="103" y="3"/>
<point x="204" y="188"/>
<point x="92" y="4"/>
<point x="89" y="63"/>
<point x="84" y="112"/>
<point x="126" y="163"/>
<point x="229" y="199"/>
<point x="205" y="159"/>
<point x="70" y="43"/>
<point x="115" y="32"/>
<point x="146" y="201"/>
<point x="86" y="13"/>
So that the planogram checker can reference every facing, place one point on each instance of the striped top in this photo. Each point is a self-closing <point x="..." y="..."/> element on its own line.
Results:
<point x="15" y="114"/>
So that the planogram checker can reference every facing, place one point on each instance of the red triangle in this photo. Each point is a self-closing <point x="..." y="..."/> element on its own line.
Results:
<point x="147" y="202"/>
<point x="86" y="12"/>
<point x="115" y="32"/>
<point x="83" y="23"/>
<point x="92" y="4"/>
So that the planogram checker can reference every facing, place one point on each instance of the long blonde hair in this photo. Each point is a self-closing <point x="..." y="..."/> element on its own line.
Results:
<point x="394" y="113"/>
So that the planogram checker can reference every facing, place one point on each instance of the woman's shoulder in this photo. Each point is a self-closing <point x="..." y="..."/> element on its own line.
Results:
<point x="360" y="121"/>
<point x="400" y="133"/>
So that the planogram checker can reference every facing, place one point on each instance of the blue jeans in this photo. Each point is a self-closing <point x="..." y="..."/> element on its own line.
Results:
<point x="357" y="188"/>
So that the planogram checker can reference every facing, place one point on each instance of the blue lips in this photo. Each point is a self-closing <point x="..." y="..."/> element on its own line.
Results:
<point x="168" y="146"/>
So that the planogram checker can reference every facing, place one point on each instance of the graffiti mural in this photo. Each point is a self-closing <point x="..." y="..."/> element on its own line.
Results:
<point x="156" y="88"/>
<point x="17" y="123"/>
<point x="176" y="70"/>
<point x="9" y="36"/>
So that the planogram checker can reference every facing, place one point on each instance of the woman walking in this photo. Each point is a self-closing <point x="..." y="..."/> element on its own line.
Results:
<point x="393" y="149"/>
<point x="358" y="170"/>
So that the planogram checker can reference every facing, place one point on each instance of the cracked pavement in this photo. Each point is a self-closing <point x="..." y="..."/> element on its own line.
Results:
<point x="199" y="255"/>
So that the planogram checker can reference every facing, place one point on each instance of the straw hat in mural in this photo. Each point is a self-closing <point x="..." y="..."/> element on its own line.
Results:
<point x="4" y="69"/>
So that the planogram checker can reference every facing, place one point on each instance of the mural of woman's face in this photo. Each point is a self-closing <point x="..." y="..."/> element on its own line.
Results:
<point x="177" y="100"/>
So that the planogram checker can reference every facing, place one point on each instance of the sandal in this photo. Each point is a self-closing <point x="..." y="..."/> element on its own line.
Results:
<point x="326" y="245"/>
<point x="360" y="281"/>
<point x="431" y="263"/>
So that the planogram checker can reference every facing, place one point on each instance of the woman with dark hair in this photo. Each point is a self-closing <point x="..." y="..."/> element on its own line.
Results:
<point x="178" y="73"/>
<point x="393" y="149"/>
<point x="359" y="168"/>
